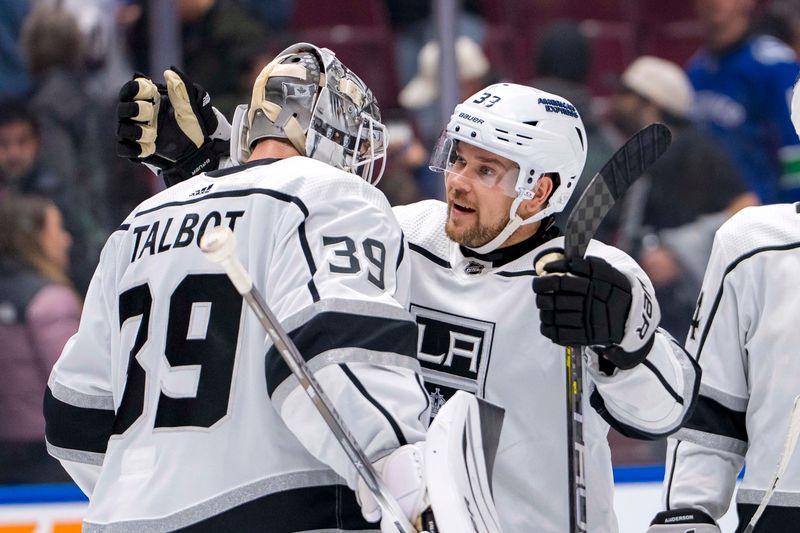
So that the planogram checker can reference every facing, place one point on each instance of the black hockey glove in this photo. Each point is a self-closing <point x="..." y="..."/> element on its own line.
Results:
<point x="683" y="520"/>
<point x="172" y="127"/>
<point x="591" y="306"/>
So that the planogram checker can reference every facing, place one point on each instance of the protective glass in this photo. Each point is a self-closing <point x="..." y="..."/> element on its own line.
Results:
<point x="448" y="159"/>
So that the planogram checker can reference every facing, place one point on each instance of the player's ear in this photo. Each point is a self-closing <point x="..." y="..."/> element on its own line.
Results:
<point x="542" y="192"/>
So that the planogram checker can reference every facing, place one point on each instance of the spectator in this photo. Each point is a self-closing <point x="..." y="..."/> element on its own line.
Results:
<point x="667" y="230"/>
<point x="406" y="164"/>
<point x="742" y="82"/>
<point x="413" y="25"/>
<point x="562" y="60"/>
<point x="420" y="94"/>
<point x="14" y="78"/>
<point x="39" y="311"/>
<point x="782" y="19"/>
<point x="22" y="171"/>
<point x="77" y="141"/>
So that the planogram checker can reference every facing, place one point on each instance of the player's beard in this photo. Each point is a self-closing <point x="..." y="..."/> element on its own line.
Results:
<point x="475" y="235"/>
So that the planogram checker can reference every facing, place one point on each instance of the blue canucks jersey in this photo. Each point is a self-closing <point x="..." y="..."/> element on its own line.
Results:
<point x="742" y="97"/>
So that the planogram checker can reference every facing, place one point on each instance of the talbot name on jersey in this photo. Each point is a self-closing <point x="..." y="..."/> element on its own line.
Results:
<point x="164" y="235"/>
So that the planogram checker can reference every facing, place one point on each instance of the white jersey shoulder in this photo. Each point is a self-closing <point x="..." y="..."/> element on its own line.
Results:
<point x="423" y="224"/>
<point x="190" y="413"/>
<point x="759" y="226"/>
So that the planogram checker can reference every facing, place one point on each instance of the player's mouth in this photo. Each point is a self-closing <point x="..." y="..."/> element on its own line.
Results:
<point x="457" y="209"/>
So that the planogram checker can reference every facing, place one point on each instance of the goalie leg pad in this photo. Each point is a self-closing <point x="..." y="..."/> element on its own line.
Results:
<point x="459" y="457"/>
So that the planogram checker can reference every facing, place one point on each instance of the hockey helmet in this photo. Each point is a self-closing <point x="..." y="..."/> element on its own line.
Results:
<point x="541" y="132"/>
<point x="308" y="97"/>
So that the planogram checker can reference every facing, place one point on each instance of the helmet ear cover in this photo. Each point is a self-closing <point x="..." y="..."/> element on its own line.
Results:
<point x="308" y="97"/>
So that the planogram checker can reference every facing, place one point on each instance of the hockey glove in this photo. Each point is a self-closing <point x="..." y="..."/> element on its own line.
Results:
<point x="683" y="520"/>
<point x="596" y="305"/>
<point x="403" y="473"/>
<point x="172" y="127"/>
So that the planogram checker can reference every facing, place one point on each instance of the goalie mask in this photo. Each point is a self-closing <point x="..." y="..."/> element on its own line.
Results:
<point x="540" y="132"/>
<point x="308" y="97"/>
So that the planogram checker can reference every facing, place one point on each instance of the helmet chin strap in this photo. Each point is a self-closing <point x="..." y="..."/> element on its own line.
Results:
<point x="515" y="221"/>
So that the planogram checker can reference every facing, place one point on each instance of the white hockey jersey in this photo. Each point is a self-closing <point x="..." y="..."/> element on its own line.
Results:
<point x="171" y="408"/>
<point x="745" y="336"/>
<point x="479" y="332"/>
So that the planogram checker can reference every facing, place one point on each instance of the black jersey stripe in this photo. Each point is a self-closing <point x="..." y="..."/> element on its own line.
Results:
<point x="278" y="195"/>
<point x="598" y="404"/>
<point x="402" y="250"/>
<point x="123" y="227"/>
<point x="710" y="416"/>
<point x="663" y="381"/>
<point x="317" y="508"/>
<point x="718" y="298"/>
<point x="401" y="439"/>
<point x="331" y="330"/>
<point x="428" y="255"/>
<point x="776" y="519"/>
<point x="517" y="274"/>
<point x="76" y="428"/>
<point x="671" y="475"/>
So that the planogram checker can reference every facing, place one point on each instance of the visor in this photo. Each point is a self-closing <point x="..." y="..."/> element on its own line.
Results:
<point x="447" y="159"/>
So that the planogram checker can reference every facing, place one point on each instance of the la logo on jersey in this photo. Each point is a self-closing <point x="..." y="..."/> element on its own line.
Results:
<point x="453" y="351"/>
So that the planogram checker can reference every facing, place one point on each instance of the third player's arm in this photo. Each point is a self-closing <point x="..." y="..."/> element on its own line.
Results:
<point x="704" y="458"/>
<point x="654" y="398"/>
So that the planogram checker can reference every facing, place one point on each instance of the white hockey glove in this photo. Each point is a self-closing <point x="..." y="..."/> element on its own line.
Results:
<point x="403" y="473"/>
<point x="596" y="305"/>
<point x="172" y="127"/>
<point x="683" y="521"/>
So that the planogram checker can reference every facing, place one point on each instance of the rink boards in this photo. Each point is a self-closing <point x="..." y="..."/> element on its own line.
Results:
<point x="59" y="508"/>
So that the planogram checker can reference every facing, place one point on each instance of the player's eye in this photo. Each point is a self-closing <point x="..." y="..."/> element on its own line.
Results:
<point x="487" y="172"/>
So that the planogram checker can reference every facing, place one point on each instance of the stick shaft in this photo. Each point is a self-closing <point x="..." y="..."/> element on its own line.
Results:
<point x="788" y="450"/>
<point x="291" y="355"/>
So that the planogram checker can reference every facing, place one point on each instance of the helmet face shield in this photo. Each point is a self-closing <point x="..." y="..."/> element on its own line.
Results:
<point x="346" y="137"/>
<point x="458" y="158"/>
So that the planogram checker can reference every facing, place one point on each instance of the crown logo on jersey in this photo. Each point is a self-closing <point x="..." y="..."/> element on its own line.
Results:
<point x="437" y="401"/>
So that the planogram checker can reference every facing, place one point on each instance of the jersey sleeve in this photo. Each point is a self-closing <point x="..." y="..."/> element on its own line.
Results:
<point x="706" y="455"/>
<point x="78" y="403"/>
<point x="341" y="290"/>
<point x="652" y="399"/>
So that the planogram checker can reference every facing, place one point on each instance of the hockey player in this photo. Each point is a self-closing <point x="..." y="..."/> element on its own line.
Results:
<point x="159" y="407"/>
<point x="745" y="337"/>
<point x="510" y="157"/>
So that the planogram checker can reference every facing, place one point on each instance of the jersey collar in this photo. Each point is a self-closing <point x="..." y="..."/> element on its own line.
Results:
<point x="231" y="170"/>
<point x="501" y="256"/>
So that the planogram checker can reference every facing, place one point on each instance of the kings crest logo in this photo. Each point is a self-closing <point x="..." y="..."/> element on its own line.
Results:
<point x="453" y="351"/>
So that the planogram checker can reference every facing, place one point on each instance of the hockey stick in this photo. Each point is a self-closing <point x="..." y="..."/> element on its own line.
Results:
<point x="792" y="435"/>
<point x="605" y="188"/>
<point x="219" y="245"/>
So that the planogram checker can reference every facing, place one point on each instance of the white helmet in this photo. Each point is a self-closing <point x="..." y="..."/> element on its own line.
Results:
<point x="541" y="132"/>
<point x="307" y="96"/>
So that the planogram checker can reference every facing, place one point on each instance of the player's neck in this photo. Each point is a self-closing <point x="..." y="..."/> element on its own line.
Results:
<point x="273" y="149"/>
<point x="728" y="35"/>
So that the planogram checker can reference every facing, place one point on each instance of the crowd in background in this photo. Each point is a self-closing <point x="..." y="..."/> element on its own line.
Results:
<point x="623" y="64"/>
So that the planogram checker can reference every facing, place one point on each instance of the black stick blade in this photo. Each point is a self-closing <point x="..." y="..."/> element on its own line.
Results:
<point x="608" y="185"/>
